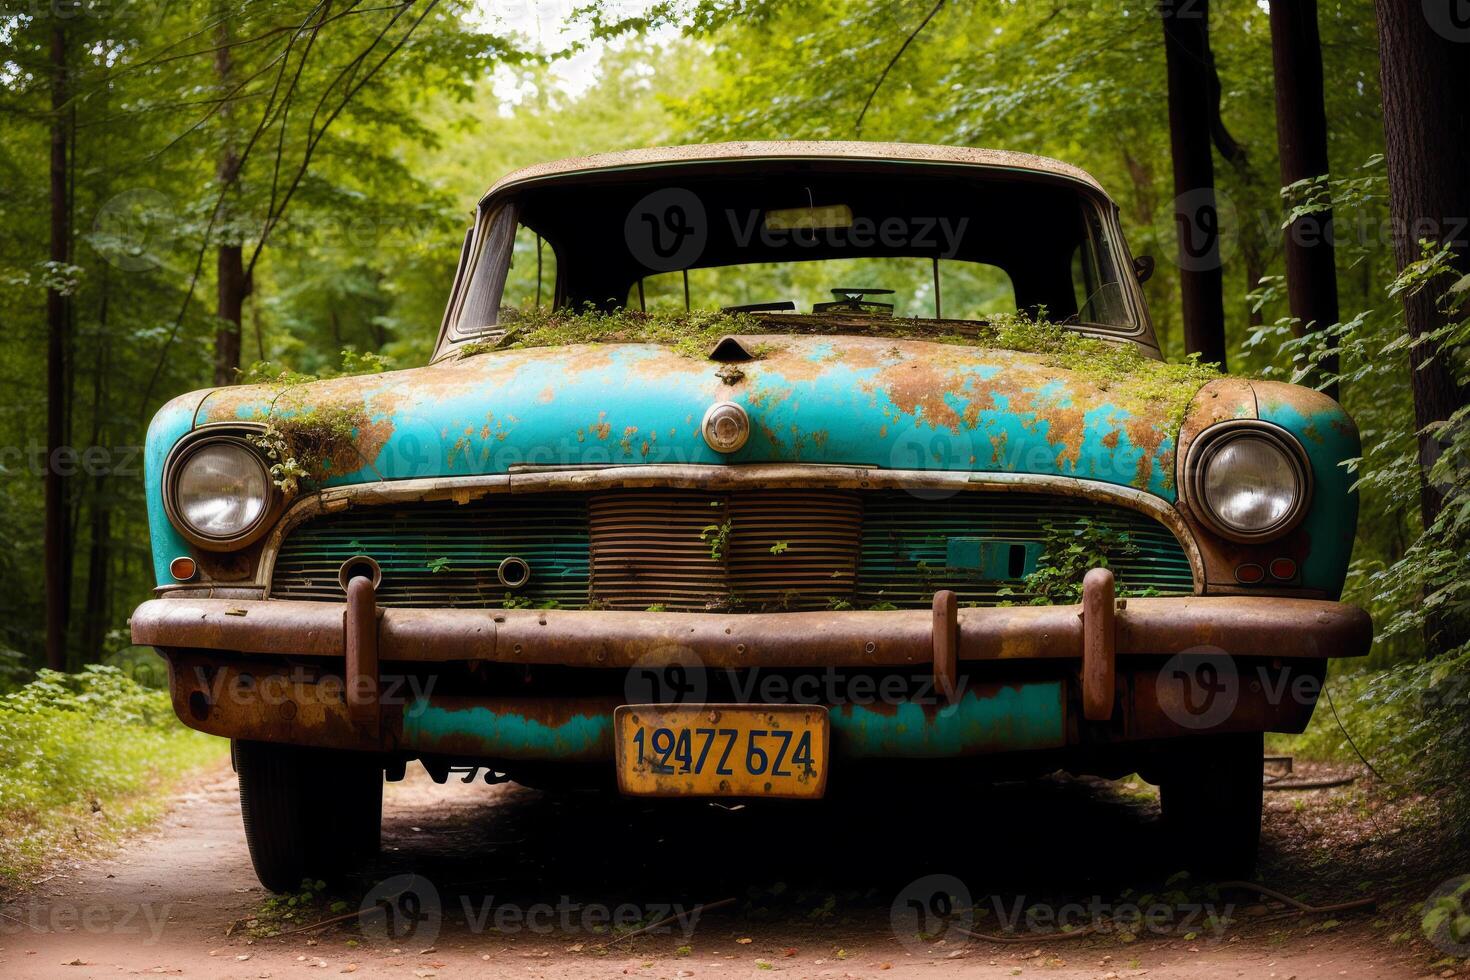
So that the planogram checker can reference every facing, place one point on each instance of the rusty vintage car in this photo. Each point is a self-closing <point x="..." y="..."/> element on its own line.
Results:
<point x="912" y="494"/>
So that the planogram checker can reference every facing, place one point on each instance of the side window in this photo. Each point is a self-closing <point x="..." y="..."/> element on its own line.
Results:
<point x="530" y="284"/>
<point x="1084" y="279"/>
<point x="512" y="270"/>
<point x="1095" y="277"/>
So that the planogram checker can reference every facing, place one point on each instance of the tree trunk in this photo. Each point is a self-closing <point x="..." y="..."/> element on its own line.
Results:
<point x="1426" y="123"/>
<point x="1196" y="215"/>
<point x="99" y="548"/>
<point x="58" y="301"/>
<point x="1301" y="137"/>
<point x="231" y="274"/>
<point x="232" y="285"/>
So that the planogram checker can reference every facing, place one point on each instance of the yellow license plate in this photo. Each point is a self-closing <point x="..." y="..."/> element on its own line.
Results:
<point x="777" y="750"/>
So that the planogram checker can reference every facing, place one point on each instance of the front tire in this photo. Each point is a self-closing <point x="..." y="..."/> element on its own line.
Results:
<point x="308" y="813"/>
<point x="1212" y="796"/>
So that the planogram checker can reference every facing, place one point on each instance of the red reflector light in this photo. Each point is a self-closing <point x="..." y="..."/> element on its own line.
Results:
<point x="1283" y="568"/>
<point x="1249" y="574"/>
<point x="182" y="568"/>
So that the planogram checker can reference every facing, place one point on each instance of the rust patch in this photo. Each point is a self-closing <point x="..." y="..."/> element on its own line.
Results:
<point x="371" y="439"/>
<point x="1149" y="438"/>
<point x="998" y="447"/>
<point x="918" y="388"/>
<point x="1065" y="427"/>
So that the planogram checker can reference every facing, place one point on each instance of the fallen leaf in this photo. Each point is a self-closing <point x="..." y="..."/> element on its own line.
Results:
<point x="745" y="940"/>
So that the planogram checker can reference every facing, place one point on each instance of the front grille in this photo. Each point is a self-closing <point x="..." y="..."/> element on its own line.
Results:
<point x="906" y="542"/>
<point x="683" y="550"/>
<point x="743" y="551"/>
<point x="445" y="554"/>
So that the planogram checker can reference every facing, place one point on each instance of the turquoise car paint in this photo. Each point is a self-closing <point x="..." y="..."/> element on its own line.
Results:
<point x="480" y="730"/>
<point x="872" y="401"/>
<point x="1004" y="719"/>
<point x="1331" y="439"/>
<point x="881" y="402"/>
<point x="172" y="423"/>
<point x="991" y="719"/>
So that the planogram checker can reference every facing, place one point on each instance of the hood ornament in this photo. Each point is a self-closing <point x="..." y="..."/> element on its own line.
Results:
<point x="726" y="427"/>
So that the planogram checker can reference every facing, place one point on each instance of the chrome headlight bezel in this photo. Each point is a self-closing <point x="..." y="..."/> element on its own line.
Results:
<point x="174" y="467"/>
<point x="1206" y="449"/>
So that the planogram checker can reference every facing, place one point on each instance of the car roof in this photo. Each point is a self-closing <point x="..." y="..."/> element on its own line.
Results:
<point x="919" y="154"/>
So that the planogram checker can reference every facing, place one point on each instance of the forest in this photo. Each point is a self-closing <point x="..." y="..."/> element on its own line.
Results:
<point x="200" y="191"/>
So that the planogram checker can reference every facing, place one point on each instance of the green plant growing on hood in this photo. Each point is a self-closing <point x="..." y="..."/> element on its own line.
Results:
<point x="308" y="445"/>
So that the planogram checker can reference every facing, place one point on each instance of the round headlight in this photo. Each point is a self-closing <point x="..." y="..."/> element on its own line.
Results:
<point x="221" y="490"/>
<point x="1249" y="480"/>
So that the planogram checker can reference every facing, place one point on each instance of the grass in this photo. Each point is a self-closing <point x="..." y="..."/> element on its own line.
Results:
<point x="84" y="759"/>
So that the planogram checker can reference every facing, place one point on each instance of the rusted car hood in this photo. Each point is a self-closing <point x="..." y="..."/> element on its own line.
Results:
<point x="895" y="404"/>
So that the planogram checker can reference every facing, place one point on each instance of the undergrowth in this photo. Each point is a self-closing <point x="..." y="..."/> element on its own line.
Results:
<point x="78" y="756"/>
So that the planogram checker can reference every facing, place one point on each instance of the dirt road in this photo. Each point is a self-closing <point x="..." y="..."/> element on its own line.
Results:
<point x="511" y="882"/>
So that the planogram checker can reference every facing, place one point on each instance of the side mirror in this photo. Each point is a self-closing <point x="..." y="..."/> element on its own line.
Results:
<point x="1143" y="267"/>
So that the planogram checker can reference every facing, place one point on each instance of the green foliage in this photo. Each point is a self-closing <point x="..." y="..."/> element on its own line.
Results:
<point x="718" y="536"/>
<point x="1159" y="389"/>
<point x="307" y="445"/>
<point x="1069" y="552"/>
<point x="691" y="333"/>
<point x="77" y="754"/>
<point x="1445" y="921"/>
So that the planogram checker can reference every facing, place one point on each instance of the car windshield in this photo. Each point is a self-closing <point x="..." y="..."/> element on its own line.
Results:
<point x="903" y="243"/>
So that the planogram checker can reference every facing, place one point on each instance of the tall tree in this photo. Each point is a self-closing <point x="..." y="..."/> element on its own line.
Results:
<point x="1426" y="123"/>
<point x="232" y="286"/>
<point x="1196" y="211"/>
<point x="1301" y="137"/>
<point x="57" y="547"/>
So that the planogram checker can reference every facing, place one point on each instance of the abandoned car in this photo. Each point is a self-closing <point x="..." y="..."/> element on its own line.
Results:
<point x="758" y="470"/>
